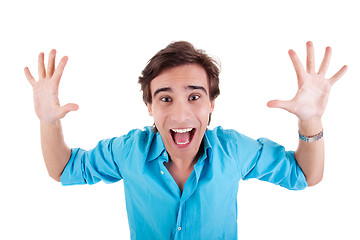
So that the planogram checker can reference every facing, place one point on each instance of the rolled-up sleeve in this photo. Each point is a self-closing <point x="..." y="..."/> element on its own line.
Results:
<point x="90" y="167"/>
<point x="273" y="164"/>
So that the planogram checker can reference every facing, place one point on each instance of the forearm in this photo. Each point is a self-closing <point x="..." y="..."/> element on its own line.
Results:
<point x="55" y="152"/>
<point x="309" y="104"/>
<point x="310" y="156"/>
<point x="47" y="107"/>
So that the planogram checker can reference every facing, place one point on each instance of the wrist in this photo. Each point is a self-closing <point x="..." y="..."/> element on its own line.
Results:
<point x="310" y="127"/>
<point x="48" y="124"/>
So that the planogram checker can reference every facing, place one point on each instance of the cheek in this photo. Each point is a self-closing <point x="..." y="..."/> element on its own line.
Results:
<point x="158" y="115"/>
<point x="202" y="112"/>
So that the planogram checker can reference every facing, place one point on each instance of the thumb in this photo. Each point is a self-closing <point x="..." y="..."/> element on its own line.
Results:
<point x="68" y="108"/>
<point x="286" y="105"/>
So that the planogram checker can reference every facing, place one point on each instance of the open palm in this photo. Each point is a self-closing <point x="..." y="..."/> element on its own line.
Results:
<point x="46" y="101"/>
<point x="314" y="88"/>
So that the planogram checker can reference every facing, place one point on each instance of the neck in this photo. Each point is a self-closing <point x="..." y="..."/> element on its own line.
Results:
<point x="185" y="163"/>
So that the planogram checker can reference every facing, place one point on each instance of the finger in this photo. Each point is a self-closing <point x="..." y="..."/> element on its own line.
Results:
<point x="41" y="66"/>
<point x="68" y="108"/>
<point x="338" y="75"/>
<point x="299" y="69"/>
<point x="60" y="69"/>
<point x="325" y="62"/>
<point x="51" y="63"/>
<point x="310" y="61"/>
<point x="29" y="77"/>
<point x="286" y="105"/>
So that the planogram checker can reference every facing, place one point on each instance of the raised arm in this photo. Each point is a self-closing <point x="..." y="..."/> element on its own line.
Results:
<point x="47" y="107"/>
<point x="309" y="105"/>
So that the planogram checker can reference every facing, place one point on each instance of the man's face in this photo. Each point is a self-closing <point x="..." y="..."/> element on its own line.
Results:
<point x="181" y="107"/>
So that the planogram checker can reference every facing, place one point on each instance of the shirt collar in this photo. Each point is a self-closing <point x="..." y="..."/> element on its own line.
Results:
<point x="158" y="149"/>
<point x="207" y="147"/>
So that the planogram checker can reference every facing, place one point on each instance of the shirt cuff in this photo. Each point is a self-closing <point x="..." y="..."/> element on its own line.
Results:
<point x="73" y="171"/>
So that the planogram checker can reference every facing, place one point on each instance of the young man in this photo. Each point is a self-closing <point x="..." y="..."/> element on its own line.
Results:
<point x="180" y="179"/>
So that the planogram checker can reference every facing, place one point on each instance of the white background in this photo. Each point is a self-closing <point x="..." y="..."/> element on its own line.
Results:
<point x="108" y="45"/>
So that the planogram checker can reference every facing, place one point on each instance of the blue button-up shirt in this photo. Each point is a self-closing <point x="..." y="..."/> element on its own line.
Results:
<point x="207" y="207"/>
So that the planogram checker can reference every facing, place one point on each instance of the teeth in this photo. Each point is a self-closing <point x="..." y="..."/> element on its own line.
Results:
<point x="182" y="130"/>
<point x="182" y="143"/>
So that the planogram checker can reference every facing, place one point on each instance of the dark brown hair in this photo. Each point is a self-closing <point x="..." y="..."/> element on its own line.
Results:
<point x="177" y="54"/>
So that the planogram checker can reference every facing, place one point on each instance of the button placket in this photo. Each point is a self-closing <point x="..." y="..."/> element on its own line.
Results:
<point x="167" y="176"/>
<point x="165" y="155"/>
<point x="179" y="221"/>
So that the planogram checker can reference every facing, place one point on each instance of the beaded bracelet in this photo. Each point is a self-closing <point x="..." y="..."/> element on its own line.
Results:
<point x="311" y="138"/>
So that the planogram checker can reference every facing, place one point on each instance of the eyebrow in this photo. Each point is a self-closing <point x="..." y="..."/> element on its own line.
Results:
<point x="191" y="87"/>
<point x="165" y="89"/>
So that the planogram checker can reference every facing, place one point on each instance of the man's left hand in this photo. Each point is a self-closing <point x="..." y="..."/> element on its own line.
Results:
<point x="311" y="98"/>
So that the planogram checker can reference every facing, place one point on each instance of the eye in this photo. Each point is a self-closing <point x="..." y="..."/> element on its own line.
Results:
<point x="194" y="97"/>
<point x="165" y="99"/>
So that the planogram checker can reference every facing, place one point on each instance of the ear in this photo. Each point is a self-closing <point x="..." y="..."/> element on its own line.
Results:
<point x="212" y="105"/>
<point x="149" y="106"/>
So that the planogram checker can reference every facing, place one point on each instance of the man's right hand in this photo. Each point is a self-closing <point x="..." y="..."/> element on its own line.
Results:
<point x="45" y="90"/>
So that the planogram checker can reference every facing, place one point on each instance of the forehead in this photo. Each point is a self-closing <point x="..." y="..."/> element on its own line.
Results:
<point x="181" y="76"/>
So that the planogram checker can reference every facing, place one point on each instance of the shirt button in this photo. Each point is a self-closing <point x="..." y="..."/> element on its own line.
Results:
<point x="179" y="228"/>
<point x="165" y="154"/>
<point x="162" y="172"/>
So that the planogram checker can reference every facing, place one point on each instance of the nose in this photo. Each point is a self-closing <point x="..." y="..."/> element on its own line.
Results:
<point x="181" y="112"/>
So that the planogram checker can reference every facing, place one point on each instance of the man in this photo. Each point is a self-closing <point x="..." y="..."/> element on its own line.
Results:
<point x="180" y="179"/>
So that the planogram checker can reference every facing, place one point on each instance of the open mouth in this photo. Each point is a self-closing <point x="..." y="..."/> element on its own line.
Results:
<point x="182" y="136"/>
